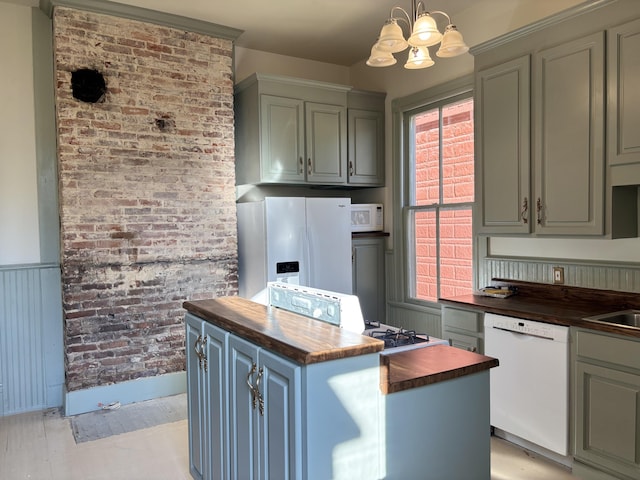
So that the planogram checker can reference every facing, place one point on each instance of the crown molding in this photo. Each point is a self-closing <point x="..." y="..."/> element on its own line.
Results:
<point x="144" y="15"/>
<point x="560" y="17"/>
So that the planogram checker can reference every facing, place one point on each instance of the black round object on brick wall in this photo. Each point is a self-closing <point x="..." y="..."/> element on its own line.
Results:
<point x="88" y="85"/>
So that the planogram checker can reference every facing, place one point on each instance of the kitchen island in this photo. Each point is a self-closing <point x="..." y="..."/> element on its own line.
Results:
<point x="273" y="394"/>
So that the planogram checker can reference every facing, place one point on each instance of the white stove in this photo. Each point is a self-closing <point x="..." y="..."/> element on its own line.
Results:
<point x="343" y="310"/>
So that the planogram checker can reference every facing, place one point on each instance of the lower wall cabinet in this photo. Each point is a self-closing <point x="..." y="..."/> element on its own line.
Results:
<point x="249" y="407"/>
<point x="463" y="328"/>
<point x="264" y="414"/>
<point x="368" y="277"/>
<point x="606" y="405"/>
<point x="206" y="348"/>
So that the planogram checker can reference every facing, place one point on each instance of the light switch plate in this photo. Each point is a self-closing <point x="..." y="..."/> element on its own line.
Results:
<point x="558" y="275"/>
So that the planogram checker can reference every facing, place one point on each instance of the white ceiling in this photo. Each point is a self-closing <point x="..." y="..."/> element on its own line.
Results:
<point x="333" y="31"/>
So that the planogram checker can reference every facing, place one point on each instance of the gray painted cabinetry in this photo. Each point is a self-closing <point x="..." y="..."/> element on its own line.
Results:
<point x="551" y="183"/>
<point x="231" y="436"/>
<point x="369" y="278"/>
<point x="606" y="405"/>
<point x="207" y="399"/>
<point x="366" y="138"/>
<point x="281" y="419"/>
<point x="463" y="328"/>
<point x="502" y="147"/>
<point x="558" y="126"/>
<point x="300" y="132"/>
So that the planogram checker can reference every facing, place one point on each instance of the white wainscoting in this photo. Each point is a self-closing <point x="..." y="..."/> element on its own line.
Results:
<point x="31" y="338"/>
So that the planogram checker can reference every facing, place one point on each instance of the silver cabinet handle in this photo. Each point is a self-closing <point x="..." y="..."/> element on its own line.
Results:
<point x="309" y="166"/>
<point x="301" y="165"/>
<point x="351" y="168"/>
<point x="250" y="385"/>
<point x="260" y="397"/>
<point x="198" y="346"/>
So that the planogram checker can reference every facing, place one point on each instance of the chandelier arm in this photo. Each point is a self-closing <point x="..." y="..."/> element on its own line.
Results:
<point x="407" y="19"/>
<point x="441" y="13"/>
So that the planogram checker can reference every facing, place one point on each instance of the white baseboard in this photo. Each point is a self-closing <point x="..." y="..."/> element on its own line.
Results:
<point x="88" y="400"/>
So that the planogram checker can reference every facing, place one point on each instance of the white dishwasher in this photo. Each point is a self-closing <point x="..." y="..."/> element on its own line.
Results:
<point x="530" y="387"/>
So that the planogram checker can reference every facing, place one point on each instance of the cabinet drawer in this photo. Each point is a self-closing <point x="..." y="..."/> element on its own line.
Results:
<point x="608" y="349"/>
<point x="461" y="319"/>
<point x="465" y="342"/>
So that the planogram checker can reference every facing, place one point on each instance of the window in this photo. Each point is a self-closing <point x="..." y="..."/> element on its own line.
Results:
<point x="439" y="195"/>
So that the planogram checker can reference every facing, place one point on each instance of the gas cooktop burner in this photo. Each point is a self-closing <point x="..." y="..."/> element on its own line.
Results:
<point x="398" y="338"/>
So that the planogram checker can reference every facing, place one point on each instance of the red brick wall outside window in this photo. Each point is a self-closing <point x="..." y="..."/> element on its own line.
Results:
<point x="443" y="194"/>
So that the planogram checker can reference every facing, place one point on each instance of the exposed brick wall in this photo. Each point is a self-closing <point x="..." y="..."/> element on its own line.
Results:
<point x="147" y="198"/>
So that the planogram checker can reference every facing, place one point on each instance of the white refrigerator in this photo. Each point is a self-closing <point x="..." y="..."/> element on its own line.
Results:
<point x="297" y="240"/>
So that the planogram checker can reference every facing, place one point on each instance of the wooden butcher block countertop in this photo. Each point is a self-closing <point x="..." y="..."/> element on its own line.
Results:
<point x="307" y="341"/>
<point x="425" y="366"/>
<point x="301" y="339"/>
<point x="558" y="304"/>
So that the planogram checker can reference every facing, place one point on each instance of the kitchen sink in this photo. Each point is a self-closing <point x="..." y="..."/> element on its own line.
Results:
<point x="630" y="318"/>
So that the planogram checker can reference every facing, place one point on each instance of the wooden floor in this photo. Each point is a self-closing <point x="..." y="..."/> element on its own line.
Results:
<point x="40" y="446"/>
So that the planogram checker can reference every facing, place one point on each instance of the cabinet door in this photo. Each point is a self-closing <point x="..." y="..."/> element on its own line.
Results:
<point x="326" y="143"/>
<point x="282" y="142"/>
<point x="368" y="277"/>
<point x="502" y="147"/>
<point x="569" y="138"/>
<point x="207" y="399"/>
<point x="608" y="418"/>
<point x="215" y="402"/>
<point x="195" y="389"/>
<point x="280" y="423"/>
<point x="623" y="93"/>
<point x="243" y="429"/>
<point x="366" y="147"/>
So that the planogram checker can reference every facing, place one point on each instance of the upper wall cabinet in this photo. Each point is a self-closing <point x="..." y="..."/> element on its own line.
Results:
<point x="623" y="107"/>
<point x="299" y="132"/>
<point x="503" y="155"/>
<point x="540" y="141"/>
<point x="560" y="192"/>
<point x="290" y="131"/>
<point x="366" y="138"/>
<point x="558" y="125"/>
<point x="568" y="141"/>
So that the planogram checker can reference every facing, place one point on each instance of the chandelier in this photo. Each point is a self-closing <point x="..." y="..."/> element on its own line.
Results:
<point x="423" y="33"/>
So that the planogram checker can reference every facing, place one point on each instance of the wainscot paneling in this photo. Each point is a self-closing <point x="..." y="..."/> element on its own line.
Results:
<point x="31" y="351"/>
<point x="624" y="278"/>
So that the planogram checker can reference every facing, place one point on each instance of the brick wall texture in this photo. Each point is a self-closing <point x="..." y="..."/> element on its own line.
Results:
<point x="456" y="181"/>
<point x="147" y="198"/>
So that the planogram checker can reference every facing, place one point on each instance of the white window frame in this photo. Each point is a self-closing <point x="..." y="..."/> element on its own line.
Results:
<point x="403" y="111"/>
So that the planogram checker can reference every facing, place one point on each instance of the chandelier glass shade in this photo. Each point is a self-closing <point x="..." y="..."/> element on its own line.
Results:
<point x="423" y="33"/>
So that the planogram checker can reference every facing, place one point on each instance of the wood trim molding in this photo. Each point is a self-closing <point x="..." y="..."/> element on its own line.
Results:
<point x="144" y="15"/>
<point x="539" y="25"/>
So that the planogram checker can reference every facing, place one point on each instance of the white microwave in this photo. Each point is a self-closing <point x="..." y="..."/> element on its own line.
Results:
<point x="366" y="217"/>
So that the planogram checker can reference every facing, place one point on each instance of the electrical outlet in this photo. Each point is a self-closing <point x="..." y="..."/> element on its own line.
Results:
<point x="558" y="275"/>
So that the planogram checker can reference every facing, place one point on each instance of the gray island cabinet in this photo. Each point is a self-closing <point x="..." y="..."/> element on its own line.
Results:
<point x="275" y="395"/>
